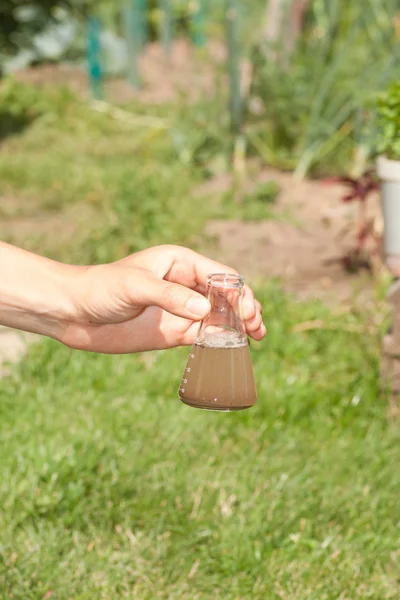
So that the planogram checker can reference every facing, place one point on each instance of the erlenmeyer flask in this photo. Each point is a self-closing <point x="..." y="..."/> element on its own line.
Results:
<point x="219" y="372"/>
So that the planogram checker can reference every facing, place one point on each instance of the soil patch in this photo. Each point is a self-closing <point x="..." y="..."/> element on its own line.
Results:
<point x="164" y="77"/>
<point x="312" y="229"/>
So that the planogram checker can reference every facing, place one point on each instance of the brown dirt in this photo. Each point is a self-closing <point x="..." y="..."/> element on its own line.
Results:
<point x="313" y="228"/>
<point x="47" y="230"/>
<point x="164" y="78"/>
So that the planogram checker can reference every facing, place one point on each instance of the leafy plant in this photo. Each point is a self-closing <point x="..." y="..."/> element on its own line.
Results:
<point x="367" y="242"/>
<point x="388" y="122"/>
<point x="20" y="20"/>
<point x="302" y="111"/>
<point x="254" y="205"/>
<point x="21" y="104"/>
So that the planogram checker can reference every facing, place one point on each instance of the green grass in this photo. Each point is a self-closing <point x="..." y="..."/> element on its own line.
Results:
<point x="133" y="183"/>
<point x="110" y="488"/>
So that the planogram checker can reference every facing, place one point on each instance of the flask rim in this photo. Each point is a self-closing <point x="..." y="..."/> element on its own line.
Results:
<point x="225" y="280"/>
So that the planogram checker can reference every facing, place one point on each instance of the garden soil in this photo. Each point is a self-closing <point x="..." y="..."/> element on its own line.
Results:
<point x="184" y="72"/>
<point x="302" y="245"/>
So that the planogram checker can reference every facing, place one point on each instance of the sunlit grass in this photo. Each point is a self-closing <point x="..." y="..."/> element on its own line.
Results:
<point x="111" y="488"/>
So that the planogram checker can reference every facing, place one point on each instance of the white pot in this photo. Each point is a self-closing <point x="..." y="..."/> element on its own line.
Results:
<point x="389" y="174"/>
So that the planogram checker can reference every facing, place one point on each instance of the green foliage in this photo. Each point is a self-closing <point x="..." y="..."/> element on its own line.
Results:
<point x="256" y="205"/>
<point x="20" y="100"/>
<point x="265" y="192"/>
<point x="20" y="20"/>
<point x="388" y="122"/>
<point x="133" y="182"/>
<point x="309" y="103"/>
<point x="21" y="104"/>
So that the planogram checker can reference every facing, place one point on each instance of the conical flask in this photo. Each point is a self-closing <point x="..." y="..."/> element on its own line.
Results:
<point x="219" y="372"/>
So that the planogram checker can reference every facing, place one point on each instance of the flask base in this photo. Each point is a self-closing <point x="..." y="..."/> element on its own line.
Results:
<point x="214" y="408"/>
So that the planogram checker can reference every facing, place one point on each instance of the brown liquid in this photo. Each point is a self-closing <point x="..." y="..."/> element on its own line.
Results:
<point x="219" y="378"/>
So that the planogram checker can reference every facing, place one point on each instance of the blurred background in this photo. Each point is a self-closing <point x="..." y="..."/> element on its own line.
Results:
<point x="248" y="131"/>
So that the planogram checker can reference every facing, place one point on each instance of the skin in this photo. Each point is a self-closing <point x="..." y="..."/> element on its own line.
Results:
<point x="150" y="300"/>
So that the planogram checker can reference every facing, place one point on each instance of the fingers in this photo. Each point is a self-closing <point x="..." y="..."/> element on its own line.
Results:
<point x="203" y="266"/>
<point x="252" y="314"/>
<point x="185" y="272"/>
<point x="259" y="334"/>
<point x="249" y="307"/>
<point x="186" y="266"/>
<point x="200" y="267"/>
<point x="172" y="297"/>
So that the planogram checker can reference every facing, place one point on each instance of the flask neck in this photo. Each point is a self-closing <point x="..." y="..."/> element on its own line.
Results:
<point x="224" y="326"/>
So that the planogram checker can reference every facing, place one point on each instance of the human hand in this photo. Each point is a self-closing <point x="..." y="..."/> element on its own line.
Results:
<point x="147" y="301"/>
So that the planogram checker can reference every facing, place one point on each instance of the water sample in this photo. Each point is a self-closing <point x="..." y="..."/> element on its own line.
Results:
<point x="219" y="372"/>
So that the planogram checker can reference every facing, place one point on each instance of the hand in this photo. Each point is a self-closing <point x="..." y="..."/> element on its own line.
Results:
<point x="147" y="301"/>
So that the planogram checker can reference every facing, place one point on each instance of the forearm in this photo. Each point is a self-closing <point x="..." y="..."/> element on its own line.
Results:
<point x="36" y="294"/>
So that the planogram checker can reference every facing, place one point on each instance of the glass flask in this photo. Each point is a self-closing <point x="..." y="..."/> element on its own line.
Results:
<point x="219" y="372"/>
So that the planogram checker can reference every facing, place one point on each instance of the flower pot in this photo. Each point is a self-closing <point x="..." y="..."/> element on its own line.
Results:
<point x="389" y="175"/>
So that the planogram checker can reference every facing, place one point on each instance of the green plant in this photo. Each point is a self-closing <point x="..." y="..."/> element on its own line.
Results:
<point x="367" y="244"/>
<point x="257" y="204"/>
<point x="254" y="205"/>
<point x="303" y="112"/>
<point x="21" y="104"/>
<point x="20" y="20"/>
<point x="388" y="122"/>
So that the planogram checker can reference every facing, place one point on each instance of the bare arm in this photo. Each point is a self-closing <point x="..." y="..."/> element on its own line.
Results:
<point x="149" y="300"/>
<point x="36" y="294"/>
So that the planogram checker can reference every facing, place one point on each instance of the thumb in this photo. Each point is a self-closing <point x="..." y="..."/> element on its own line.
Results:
<point x="174" y="298"/>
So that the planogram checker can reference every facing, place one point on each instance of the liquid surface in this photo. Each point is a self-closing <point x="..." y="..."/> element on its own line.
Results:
<point x="218" y="378"/>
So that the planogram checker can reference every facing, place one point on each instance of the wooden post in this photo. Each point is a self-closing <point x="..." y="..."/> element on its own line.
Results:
<point x="232" y="37"/>
<point x="94" y="58"/>
<point x="130" y="26"/>
<point x="166" y="25"/>
<point x="197" y="9"/>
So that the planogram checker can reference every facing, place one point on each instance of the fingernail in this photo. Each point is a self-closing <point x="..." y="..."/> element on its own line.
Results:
<point x="198" y="305"/>
<point x="263" y="330"/>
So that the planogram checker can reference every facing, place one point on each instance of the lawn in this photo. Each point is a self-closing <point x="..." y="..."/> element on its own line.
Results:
<point x="110" y="488"/>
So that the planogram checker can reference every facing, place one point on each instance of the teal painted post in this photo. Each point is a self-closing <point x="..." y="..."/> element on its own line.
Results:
<point x="232" y="38"/>
<point x="130" y="26"/>
<point x="142" y="10"/>
<point x="94" y="58"/>
<point x="166" y="25"/>
<point x="197" y="21"/>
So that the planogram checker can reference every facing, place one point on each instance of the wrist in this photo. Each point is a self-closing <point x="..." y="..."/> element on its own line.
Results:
<point x="37" y="294"/>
